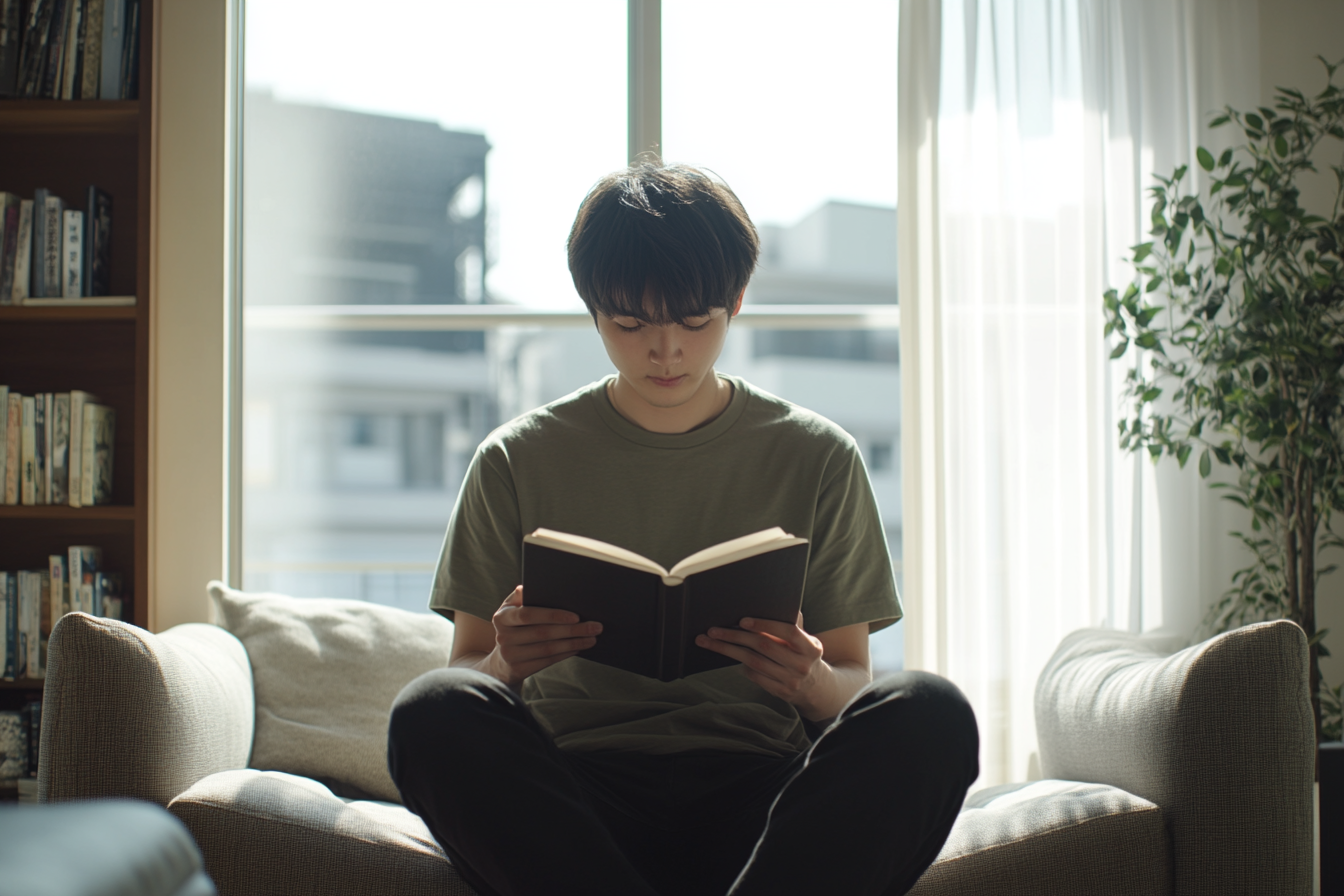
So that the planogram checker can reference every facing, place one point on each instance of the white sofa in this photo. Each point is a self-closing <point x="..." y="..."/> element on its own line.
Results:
<point x="1183" y="774"/>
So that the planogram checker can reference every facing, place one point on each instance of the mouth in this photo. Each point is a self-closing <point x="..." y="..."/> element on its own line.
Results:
<point x="667" y="382"/>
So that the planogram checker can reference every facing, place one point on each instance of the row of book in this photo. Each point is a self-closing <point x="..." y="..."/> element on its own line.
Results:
<point x="56" y="448"/>
<point x="69" y="49"/>
<point x="31" y="601"/>
<point x="20" y="738"/>
<point x="50" y="251"/>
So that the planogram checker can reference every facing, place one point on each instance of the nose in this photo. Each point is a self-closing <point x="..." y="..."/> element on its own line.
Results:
<point x="664" y="347"/>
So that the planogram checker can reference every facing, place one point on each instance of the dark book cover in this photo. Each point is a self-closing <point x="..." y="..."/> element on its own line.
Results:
<point x="98" y="243"/>
<point x="50" y="87"/>
<point x="11" y="40"/>
<point x="33" y="52"/>
<point x="130" y="57"/>
<point x="11" y="256"/>
<point x="11" y="626"/>
<point x="648" y="625"/>
<point x="37" y="272"/>
<point x="32" y="714"/>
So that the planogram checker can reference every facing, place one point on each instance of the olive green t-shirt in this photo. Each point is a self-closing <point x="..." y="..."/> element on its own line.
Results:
<point x="578" y="466"/>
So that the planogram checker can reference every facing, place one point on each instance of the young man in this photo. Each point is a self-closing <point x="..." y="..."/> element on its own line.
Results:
<point x="542" y="773"/>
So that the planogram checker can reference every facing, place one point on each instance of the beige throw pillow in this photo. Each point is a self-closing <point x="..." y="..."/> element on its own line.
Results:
<point x="326" y="672"/>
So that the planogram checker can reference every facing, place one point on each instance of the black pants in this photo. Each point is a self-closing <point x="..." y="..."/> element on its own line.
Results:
<point x="864" y="811"/>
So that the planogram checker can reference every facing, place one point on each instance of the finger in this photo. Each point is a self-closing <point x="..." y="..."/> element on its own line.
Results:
<point x="524" y="653"/>
<point x="775" y="648"/>
<point x="793" y="634"/>
<point x="515" y="598"/>
<point x="751" y="658"/>
<point x="514" y="615"/>
<point x="535" y="634"/>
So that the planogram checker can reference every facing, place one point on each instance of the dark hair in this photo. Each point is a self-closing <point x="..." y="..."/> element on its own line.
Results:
<point x="671" y="229"/>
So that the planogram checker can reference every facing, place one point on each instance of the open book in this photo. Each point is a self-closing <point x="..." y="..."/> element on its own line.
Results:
<point x="650" y="615"/>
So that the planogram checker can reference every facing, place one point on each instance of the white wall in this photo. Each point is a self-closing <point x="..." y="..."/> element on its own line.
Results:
<point x="187" y="368"/>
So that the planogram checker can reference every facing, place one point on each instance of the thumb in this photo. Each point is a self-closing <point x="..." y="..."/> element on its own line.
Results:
<point x="800" y="620"/>
<point x="515" y="599"/>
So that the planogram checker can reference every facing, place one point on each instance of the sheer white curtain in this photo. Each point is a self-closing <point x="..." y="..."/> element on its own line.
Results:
<point x="1029" y="133"/>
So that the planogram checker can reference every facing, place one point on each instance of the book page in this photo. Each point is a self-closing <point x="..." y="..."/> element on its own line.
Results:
<point x="731" y="551"/>
<point x="591" y="547"/>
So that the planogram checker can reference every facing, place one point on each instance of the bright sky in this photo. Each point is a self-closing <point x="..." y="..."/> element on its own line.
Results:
<point x="791" y="102"/>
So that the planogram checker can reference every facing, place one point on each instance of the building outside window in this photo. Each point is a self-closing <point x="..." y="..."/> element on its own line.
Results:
<point x="437" y="178"/>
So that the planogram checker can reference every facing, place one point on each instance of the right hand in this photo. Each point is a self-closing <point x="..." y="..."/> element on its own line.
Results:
<point x="528" y="639"/>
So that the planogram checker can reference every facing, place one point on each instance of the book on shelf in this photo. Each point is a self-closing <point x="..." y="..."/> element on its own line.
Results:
<point x="9" y="621"/>
<point x="95" y="475"/>
<point x="53" y="254"/>
<point x="650" y="615"/>
<point x="85" y="561"/>
<point x="50" y="442"/>
<point x="13" y="745"/>
<point x="11" y="31"/>
<point x="69" y="49"/>
<point x="72" y="255"/>
<point x="13" y="448"/>
<point x="32" y="720"/>
<point x="60" y="588"/>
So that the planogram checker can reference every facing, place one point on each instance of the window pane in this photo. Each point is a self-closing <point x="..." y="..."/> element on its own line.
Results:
<point x="795" y="107"/>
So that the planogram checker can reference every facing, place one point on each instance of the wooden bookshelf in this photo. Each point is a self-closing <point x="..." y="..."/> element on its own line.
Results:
<point x="65" y="146"/>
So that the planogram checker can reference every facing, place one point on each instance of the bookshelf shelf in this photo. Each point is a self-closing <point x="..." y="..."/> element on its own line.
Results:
<point x="70" y="117"/>
<point x="65" y="512"/>
<point x="66" y="146"/>
<point x="17" y="313"/>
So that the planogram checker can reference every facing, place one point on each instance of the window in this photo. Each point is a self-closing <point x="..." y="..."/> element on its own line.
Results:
<point x="405" y="209"/>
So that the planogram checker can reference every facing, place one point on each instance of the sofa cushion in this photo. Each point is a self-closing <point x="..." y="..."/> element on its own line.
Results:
<point x="271" y="832"/>
<point x="1050" y="837"/>
<point x="326" y="672"/>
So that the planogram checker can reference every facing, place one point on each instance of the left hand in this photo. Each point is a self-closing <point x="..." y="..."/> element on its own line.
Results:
<point x="781" y="658"/>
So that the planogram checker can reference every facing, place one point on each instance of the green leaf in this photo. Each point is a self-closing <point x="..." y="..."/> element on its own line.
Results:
<point x="1152" y="284"/>
<point x="1150" y="395"/>
<point x="1142" y="251"/>
<point x="1225" y="159"/>
<point x="1182" y="455"/>
<point x="1148" y="340"/>
<point x="1205" y="158"/>
<point x="1119" y="349"/>
<point x="1281" y="146"/>
<point x="1205" y="464"/>
<point x="1219" y="121"/>
<point x="1145" y="317"/>
<point x="1255" y="121"/>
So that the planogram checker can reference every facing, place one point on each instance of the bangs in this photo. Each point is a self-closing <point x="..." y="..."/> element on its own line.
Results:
<point x="671" y="234"/>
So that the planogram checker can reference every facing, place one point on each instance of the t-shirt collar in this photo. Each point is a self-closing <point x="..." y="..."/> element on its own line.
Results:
<point x="707" y="433"/>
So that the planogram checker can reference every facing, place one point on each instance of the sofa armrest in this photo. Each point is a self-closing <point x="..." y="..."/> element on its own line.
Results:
<point x="1220" y="736"/>
<point x="127" y="713"/>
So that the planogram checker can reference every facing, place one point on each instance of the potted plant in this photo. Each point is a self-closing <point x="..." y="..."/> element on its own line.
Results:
<point x="1236" y="324"/>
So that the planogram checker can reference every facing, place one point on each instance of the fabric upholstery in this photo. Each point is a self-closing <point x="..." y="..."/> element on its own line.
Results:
<point x="104" y="848"/>
<point x="326" y="672"/>
<point x="1220" y="735"/>
<point x="270" y="832"/>
<point x="1053" y="837"/>
<point x="127" y="713"/>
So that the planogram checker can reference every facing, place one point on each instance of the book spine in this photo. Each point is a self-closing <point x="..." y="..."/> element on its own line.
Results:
<point x="78" y="401"/>
<point x="114" y="28"/>
<point x="20" y="643"/>
<point x="35" y="46"/>
<point x="12" y="627"/>
<point x="40" y="454"/>
<point x="70" y="50"/>
<point x="104" y="437"/>
<point x="9" y="245"/>
<point x="72" y="254"/>
<point x="4" y="438"/>
<point x="55" y="45"/>
<point x="23" y="254"/>
<point x="60" y="589"/>
<point x="38" y="287"/>
<point x="54" y="234"/>
<point x="130" y="52"/>
<point x="60" y="450"/>
<point x="48" y="444"/>
<point x="98" y="238"/>
<point x="5" y="671"/>
<point x="91" y="560"/>
<point x="28" y="462"/>
<point x="34" y="714"/>
<point x="13" y="448"/>
<point x="11" y="22"/>
<point x="91" y="65"/>
<point x="43" y="621"/>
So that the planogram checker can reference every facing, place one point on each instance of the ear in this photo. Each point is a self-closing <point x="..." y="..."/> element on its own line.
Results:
<point x="737" y="306"/>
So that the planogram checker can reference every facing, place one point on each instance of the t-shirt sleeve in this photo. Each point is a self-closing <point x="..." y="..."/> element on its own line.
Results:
<point x="849" y="574"/>
<point x="482" y="557"/>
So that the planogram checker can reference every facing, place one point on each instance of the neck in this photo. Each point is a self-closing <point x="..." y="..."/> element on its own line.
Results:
<point x="708" y="402"/>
